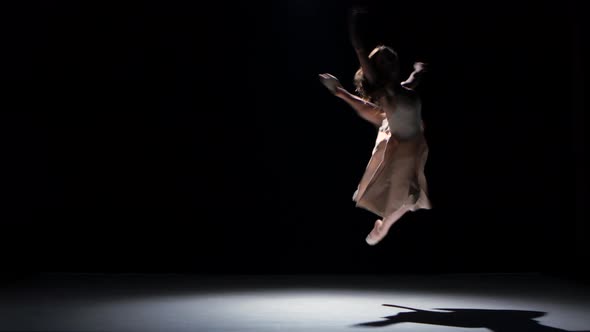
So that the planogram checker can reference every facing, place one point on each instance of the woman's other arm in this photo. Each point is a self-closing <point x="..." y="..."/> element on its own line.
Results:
<point x="366" y="110"/>
<point x="416" y="76"/>
<point x="359" y="46"/>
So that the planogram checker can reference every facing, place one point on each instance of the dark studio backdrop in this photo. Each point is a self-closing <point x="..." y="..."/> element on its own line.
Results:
<point x="160" y="137"/>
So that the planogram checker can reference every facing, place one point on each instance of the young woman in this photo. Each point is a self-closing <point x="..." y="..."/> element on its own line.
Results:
<point x="394" y="181"/>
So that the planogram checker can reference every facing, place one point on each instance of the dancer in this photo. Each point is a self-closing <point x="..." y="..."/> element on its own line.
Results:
<point x="394" y="181"/>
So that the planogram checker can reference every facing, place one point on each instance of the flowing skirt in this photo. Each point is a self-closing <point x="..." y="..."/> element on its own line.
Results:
<point x="394" y="176"/>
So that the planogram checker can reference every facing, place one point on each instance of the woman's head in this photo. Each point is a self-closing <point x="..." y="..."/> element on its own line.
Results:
<point x="386" y="63"/>
<point x="384" y="59"/>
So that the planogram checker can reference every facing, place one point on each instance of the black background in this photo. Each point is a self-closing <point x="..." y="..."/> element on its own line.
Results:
<point x="176" y="137"/>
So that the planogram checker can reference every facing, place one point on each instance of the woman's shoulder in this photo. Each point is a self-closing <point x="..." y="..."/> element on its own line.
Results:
<point x="406" y="91"/>
<point x="409" y="94"/>
<point x="402" y="94"/>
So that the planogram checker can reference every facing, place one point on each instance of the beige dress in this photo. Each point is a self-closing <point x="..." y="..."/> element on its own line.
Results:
<point x="395" y="173"/>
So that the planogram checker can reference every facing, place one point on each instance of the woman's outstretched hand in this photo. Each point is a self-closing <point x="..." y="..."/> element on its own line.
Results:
<point x="330" y="82"/>
<point x="420" y="67"/>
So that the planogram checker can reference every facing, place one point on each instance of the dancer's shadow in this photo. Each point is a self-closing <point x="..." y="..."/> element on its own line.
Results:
<point x="494" y="320"/>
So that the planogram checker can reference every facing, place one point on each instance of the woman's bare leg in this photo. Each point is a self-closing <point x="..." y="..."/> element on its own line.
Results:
<point x="381" y="227"/>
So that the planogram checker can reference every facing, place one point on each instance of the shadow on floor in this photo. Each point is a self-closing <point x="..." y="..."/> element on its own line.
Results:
<point x="494" y="320"/>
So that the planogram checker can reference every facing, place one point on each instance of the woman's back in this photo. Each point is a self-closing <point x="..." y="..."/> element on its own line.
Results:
<point x="403" y="112"/>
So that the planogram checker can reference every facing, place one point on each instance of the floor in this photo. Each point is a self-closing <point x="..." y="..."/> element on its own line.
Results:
<point x="191" y="303"/>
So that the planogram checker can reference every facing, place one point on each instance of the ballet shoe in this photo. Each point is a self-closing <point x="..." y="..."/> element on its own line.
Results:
<point x="375" y="235"/>
<point x="371" y="241"/>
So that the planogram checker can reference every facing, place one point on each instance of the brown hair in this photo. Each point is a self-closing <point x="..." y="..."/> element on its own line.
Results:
<point x="371" y="91"/>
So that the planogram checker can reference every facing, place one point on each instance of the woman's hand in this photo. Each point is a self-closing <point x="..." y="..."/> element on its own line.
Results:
<point x="356" y="12"/>
<point x="330" y="82"/>
<point x="420" y="67"/>
<point x="353" y="18"/>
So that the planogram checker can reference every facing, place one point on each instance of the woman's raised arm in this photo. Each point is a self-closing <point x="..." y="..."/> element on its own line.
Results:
<point x="359" y="46"/>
